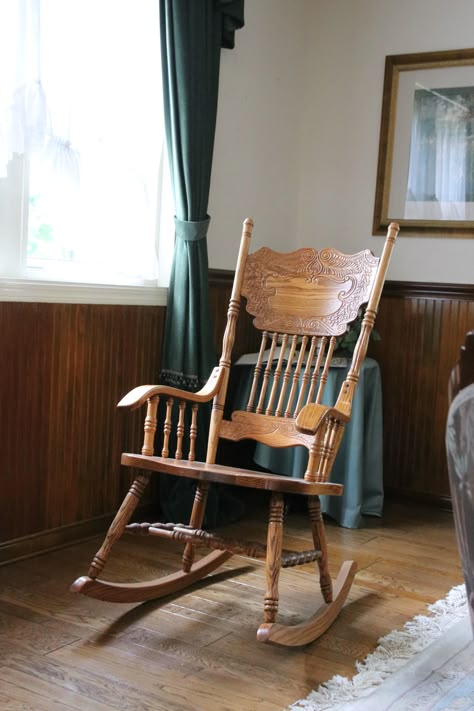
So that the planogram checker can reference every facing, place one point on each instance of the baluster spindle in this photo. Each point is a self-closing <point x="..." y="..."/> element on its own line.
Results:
<point x="150" y="427"/>
<point x="180" y="430"/>
<point x="257" y="371"/>
<point x="286" y="376"/>
<point x="314" y="457"/>
<point x="305" y="376"/>
<point x="331" y="440"/>
<point x="277" y="375"/>
<point x="266" y="375"/>
<point x="193" y="433"/>
<point x="167" y="428"/>
<point x="317" y="367"/>
<point x="324" y="374"/>
<point x="296" y="376"/>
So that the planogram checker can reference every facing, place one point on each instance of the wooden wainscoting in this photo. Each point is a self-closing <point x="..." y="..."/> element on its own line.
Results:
<point x="63" y="368"/>
<point x="422" y="328"/>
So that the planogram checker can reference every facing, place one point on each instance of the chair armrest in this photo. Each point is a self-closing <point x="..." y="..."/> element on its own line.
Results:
<point x="311" y="416"/>
<point x="138" y="396"/>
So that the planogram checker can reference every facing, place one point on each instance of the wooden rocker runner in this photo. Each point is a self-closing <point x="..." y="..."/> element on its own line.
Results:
<point x="301" y="303"/>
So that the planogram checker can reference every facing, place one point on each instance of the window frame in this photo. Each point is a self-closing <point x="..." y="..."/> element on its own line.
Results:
<point x="20" y="284"/>
<point x="21" y="281"/>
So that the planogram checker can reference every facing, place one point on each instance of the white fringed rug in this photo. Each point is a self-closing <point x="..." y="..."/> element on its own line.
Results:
<point x="429" y="665"/>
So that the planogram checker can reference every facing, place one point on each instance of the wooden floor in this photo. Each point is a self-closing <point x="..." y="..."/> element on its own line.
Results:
<point x="198" y="651"/>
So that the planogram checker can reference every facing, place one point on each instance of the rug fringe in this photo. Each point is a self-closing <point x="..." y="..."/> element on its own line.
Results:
<point x="392" y="652"/>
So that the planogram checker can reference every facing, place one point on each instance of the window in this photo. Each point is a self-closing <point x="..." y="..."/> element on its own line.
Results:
<point x="82" y="150"/>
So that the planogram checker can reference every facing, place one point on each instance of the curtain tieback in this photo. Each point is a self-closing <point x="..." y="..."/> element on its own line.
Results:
<point x="191" y="231"/>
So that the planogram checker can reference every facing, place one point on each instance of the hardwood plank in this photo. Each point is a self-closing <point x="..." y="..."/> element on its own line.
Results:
<point x="398" y="551"/>
<point x="15" y="698"/>
<point x="32" y="635"/>
<point x="52" y="693"/>
<point x="198" y="650"/>
<point x="168" y="623"/>
<point x="177" y="690"/>
<point x="227" y="656"/>
<point x="85" y="687"/>
<point x="123" y="652"/>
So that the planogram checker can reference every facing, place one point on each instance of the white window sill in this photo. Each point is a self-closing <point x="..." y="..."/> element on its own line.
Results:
<point x="78" y="293"/>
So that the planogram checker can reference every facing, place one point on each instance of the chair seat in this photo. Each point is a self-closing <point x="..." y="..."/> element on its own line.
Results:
<point x="230" y="475"/>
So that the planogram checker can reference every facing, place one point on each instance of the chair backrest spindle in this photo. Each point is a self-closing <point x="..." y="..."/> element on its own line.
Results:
<point x="257" y="371"/>
<point x="324" y="375"/>
<point x="306" y="376"/>
<point x="286" y="376"/>
<point x="317" y="369"/>
<point x="277" y="373"/>
<point x="295" y="379"/>
<point x="266" y="374"/>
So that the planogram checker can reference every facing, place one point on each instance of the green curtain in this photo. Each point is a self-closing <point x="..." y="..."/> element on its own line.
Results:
<point x="192" y="35"/>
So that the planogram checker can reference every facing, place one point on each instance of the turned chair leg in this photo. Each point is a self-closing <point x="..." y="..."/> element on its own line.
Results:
<point x="197" y="517"/>
<point x="273" y="559"/>
<point x="117" y="526"/>
<point x="319" y="539"/>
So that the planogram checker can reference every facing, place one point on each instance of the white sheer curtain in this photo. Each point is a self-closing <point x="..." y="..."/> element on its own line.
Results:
<point x="25" y="115"/>
<point x="438" y="179"/>
<point x="81" y="99"/>
<point x="451" y="152"/>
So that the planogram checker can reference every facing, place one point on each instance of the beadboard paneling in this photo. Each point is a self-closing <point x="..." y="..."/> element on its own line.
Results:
<point x="63" y="368"/>
<point x="422" y="328"/>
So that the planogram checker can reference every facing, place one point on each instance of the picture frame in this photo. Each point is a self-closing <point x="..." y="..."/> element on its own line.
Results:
<point x="425" y="171"/>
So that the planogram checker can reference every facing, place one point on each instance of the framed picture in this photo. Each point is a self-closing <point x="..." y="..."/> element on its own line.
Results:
<point x="425" y="173"/>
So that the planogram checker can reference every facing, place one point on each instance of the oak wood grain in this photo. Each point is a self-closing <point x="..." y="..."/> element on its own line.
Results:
<point x="199" y="651"/>
<point x="234" y="476"/>
<point x="307" y="292"/>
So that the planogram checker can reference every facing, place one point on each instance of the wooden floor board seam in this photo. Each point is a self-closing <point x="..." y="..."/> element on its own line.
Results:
<point x="198" y="650"/>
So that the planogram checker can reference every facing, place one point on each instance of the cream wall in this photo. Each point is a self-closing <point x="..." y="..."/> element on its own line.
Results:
<point x="298" y="126"/>
<point x="256" y="169"/>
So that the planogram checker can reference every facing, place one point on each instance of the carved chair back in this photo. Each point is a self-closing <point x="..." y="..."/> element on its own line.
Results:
<point x="301" y="303"/>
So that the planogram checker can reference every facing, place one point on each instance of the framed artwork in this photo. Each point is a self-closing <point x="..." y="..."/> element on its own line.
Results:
<point x="425" y="173"/>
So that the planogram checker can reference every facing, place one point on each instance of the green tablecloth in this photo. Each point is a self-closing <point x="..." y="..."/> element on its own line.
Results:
<point x="358" y="463"/>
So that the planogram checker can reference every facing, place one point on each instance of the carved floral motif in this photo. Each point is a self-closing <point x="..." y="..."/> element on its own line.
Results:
<point x="334" y="285"/>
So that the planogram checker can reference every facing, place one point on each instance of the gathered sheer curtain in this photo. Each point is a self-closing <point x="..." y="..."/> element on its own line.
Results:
<point x="81" y="108"/>
<point x="440" y="180"/>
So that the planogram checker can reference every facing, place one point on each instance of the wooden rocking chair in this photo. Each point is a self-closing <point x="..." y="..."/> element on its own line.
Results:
<point x="301" y="302"/>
